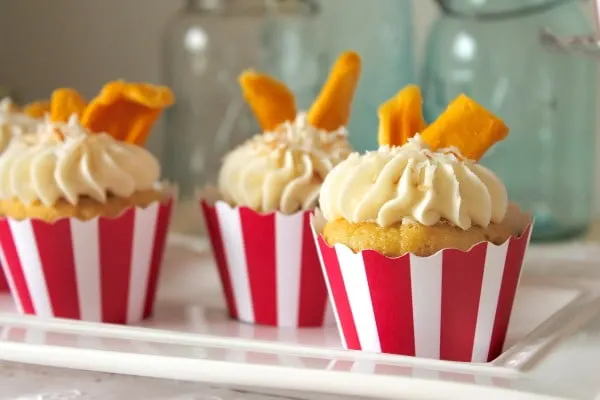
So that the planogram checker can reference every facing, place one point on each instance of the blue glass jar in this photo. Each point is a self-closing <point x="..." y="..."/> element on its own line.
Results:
<point x="381" y="32"/>
<point x="491" y="50"/>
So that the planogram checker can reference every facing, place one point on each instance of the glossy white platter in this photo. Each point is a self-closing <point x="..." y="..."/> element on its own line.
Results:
<point x="191" y="338"/>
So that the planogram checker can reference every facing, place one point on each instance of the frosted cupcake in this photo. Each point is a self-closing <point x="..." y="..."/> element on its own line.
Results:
<point x="268" y="187"/>
<point x="85" y="222"/>
<point x="427" y="232"/>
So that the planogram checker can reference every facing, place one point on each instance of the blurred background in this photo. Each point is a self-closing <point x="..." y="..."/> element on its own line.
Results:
<point x="489" y="49"/>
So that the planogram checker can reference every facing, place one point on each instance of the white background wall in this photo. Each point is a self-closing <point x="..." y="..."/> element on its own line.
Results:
<point x="84" y="43"/>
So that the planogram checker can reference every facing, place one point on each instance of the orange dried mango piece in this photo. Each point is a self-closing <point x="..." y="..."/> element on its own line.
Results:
<point x="401" y="117"/>
<point x="127" y="111"/>
<point x="37" y="109"/>
<point x="65" y="102"/>
<point x="467" y="126"/>
<point x="331" y="109"/>
<point x="269" y="99"/>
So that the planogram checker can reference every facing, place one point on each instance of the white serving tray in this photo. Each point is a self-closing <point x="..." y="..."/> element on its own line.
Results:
<point x="190" y="337"/>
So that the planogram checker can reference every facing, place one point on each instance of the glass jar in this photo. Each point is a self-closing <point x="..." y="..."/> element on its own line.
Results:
<point x="491" y="51"/>
<point x="206" y="46"/>
<point x="386" y="48"/>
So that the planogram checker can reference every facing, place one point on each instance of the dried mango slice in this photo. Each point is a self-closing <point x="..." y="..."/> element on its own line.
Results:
<point x="332" y="107"/>
<point x="126" y="110"/>
<point x="467" y="126"/>
<point x="401" y="117"/>
<point x="37" y="109"/>
<point x="269" y="99"/>
<point x="65" y="102"/>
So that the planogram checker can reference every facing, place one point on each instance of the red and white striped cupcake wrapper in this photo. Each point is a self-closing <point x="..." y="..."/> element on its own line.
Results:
<point x="103" y="270"/>
<point x="453" y="305"/>
<point x="268" y="265"/>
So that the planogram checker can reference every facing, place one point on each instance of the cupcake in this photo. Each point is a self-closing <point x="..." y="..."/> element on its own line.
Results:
<point x="85" y="217"/>
<point x="419" y="244"/>
<point x="267" y="188"/>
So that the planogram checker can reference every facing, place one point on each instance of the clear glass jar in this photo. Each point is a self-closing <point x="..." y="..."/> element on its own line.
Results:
<point x="206" y="46"/>
<point x="491" y="51"/>
<point x="381" y="32"/>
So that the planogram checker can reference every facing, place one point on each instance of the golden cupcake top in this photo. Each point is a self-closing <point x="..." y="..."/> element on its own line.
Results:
<point x="423" y="174"/>
<point x="282" y="169"/>
<point x="86" y="150"/>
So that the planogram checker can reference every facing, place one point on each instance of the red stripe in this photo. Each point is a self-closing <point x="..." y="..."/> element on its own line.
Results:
<point x="508" y="288"/>
<point x="161" y="229"/>
<point x="14" y="266"/>
<point x="390" y="288"/>
<point x="3" y="282"/>
<point x="259" y="244"/>
<point x="214" y="232"/>
<point x="54" y="247"/>
<point x="313" y="291"/>
<point x="339" y="294"/>
<point x="462" y="278"/>
<point x="116" y="245"/>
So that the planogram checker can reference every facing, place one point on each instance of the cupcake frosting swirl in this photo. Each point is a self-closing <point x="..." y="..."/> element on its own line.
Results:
<point x="65" y="161"/>
<point x="413" y="183"/>
<point x="282" y="170"/>
<point x="13" y="123"/>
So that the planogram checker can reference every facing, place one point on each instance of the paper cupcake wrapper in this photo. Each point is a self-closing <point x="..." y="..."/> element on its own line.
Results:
<point x="268" y="265"/>
<point x="453" y="305"/>
<point x="104" y="269"/>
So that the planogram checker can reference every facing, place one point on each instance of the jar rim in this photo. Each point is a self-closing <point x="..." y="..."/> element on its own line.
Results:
<point x="522" y="11"/>
<point x="245" y="8"/>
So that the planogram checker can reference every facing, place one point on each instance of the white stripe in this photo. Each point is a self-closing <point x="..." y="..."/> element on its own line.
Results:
<point x="426" y="373"/>
<point x="86" y="255"/>
<point x="357" y="287"/>
<point x="329" y="318"/>
<point x="233" y="244"/>
<point x="26" y="246"/>
<point x="290" y="361"/>
<point x="16" y="296"/>
<point x="426" y="287"/>
<point x="329" y="293"/>
<point x="35" y="336"/>
<point x="495" y="258"/>
<point x="288" y="259"/>
<point x="363" y="367"/>
<point x="144" y="230"/>
<point x="483" y="380"/>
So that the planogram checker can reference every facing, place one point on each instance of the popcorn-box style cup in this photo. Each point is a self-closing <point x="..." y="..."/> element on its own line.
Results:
<point x="268" y="265"/>
<point x="102" y="270"/>
<point x="453" y="305"/>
